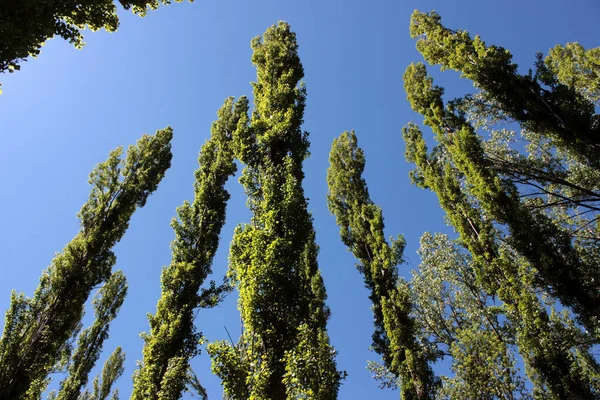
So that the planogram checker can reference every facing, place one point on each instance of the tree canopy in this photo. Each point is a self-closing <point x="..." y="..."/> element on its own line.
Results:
<point x="504" y="305"/>
<point x="25" y="25"/>
<point x="524" y="250"/>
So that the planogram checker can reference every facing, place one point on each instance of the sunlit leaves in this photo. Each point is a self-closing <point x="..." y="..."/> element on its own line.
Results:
<point x="273" y="258"/>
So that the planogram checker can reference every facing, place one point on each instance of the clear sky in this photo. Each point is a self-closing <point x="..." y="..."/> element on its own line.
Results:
<point x="64" y="111"/>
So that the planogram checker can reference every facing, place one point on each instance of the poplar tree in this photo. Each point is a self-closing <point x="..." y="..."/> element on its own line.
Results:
<point x="25" y="25"/>
<point x="473" y="197"/>
<point x="106" y="304"/>
<point x="361" y="228"/>
<point x="173" y="340"/>
<point x="37" y="329"/>
<point x="558" y="363"/>
<point x="284" y="350"/>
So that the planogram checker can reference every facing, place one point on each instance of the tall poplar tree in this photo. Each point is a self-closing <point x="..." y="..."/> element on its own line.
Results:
<point x="173" y="340"/>
<point x="37" y="329"/>
<point x="361" y="229"/>
<point x="559" y="364"/>
<point x="284" y="351"/>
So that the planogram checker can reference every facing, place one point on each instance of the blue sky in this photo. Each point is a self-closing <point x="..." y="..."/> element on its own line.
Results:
<point x="64" y="111"/>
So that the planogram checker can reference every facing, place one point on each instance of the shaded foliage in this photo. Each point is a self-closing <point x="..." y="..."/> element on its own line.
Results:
<point x="25" y="25"/>
<point x="464" y="324"/>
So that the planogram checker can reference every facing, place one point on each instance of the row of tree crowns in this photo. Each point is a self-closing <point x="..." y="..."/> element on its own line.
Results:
<point x="517" y="288"/>
<point x="284" y="351"/>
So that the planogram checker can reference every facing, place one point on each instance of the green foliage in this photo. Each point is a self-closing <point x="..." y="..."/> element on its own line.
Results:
<point x="309" y="370"/>
<point x="578" y="68"/>
<point x="232" y="361"/>
<point x="173" y="340"/>
<point x="25" y="25"/>
<point x="361" y="229"/>
<point x="528" y="256"/>
<point x="273" y="260"/>
<point x="101" y="385"/>
<point x="464" y="323"/>
<point x="547" y="353"/>
<point x="537" y="102"/>
<point x="37" y="329"/>
<point x="106" y="305"/>
<point x="112" y="370"/>
<point x="546" y="246"/>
